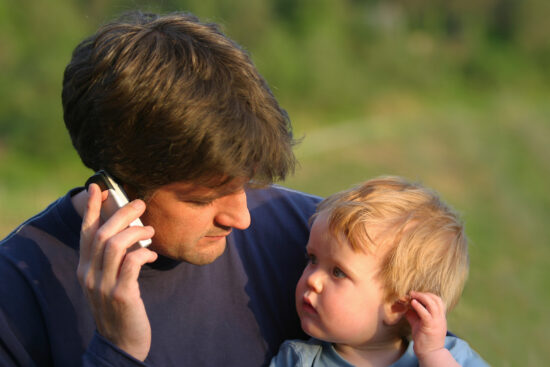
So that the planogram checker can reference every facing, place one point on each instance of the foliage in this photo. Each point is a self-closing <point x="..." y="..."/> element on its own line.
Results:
<point x="452" y="93"/>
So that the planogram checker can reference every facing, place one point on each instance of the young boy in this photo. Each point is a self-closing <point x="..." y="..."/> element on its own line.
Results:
<point x="386" y="259"/>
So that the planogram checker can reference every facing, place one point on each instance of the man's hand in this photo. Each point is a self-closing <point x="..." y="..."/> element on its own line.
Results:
<point x="429" y="327"/>
<point x="108" y="273"/>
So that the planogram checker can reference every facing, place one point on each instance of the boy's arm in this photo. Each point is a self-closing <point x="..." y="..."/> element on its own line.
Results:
<point x="429" y="327"/>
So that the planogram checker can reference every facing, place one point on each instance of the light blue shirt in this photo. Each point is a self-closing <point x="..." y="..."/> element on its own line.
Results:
<point x="299" y="353"/>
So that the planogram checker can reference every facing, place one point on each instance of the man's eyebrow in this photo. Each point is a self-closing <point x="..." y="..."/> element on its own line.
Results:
<point x="190" y="195"/>
<point x="205" y="198"/>
<point x="209" y="194"/>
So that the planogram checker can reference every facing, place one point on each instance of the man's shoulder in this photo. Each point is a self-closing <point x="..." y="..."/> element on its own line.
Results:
<point x="280" y="196"/>
<point x="279" y="207"/>
<point x="57" y="224"/>
<point x="292" y="192"/>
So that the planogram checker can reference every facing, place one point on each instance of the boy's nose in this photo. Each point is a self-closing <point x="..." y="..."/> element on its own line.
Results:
<point x="315" y="281"/>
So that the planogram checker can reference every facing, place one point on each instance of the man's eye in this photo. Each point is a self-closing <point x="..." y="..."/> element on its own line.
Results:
<point x="338" y="273"/>
<point x="199" y="202"/>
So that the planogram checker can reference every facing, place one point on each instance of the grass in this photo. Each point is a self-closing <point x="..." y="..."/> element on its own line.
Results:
<point x="28" y="185"/>
<point x="492" y="164"/>
<point x="486" y="161"/>
<point x="474" y="124"/>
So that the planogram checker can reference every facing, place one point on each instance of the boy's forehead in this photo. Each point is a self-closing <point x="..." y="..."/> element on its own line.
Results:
<point x="326" y="245"/>
<point x="321" y="232"/>
<point x="367" y="237"/>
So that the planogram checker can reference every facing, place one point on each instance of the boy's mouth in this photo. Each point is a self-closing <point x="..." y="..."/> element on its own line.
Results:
<point x="307" y="306"/>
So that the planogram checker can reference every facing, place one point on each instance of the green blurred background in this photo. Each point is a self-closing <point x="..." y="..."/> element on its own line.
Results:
<point x="454" y="94"/>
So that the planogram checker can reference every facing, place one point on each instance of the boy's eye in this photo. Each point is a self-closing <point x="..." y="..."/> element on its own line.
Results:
<point x="311" y="258"/>
<point x="338" y="273"/>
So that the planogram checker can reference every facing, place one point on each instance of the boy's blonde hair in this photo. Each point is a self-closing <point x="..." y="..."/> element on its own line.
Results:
<point x="425" y="247"/>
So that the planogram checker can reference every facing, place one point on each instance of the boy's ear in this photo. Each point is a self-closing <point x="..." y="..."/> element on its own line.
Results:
<point x="394" y="311"/>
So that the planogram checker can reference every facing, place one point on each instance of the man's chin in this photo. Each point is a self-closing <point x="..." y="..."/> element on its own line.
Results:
<point x="205" y="255"/>
<point x="202" y="253"/>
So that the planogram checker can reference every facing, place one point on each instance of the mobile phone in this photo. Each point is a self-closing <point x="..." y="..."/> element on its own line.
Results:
<point x="116" y="199"/>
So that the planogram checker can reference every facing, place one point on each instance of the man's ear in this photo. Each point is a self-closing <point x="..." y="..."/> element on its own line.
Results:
<point x="394" y="311"/>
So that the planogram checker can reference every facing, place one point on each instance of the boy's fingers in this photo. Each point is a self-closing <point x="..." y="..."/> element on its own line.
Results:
<point x="412" y="317"/>
<point x="421" y="311"/>
<point x="428" y="300"/>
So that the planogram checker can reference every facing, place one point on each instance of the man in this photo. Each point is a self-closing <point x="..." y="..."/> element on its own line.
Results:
<point x="178" y="114"/>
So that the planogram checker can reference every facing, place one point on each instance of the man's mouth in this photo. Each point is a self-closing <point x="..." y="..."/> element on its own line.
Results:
<point x="218" y="235"/>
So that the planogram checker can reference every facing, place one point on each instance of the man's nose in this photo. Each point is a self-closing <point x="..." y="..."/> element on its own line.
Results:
<point x="233" y="211"/>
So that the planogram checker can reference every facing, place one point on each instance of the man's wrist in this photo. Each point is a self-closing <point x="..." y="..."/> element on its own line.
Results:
<point x="102" y="352"/>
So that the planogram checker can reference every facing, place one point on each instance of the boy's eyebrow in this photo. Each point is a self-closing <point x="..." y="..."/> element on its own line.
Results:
<point x="346" y="269"/>
<point x="308" y="247"/>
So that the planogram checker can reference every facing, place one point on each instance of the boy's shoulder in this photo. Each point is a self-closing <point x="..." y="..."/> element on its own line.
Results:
<point x="313" y="352"/>
<point x="465" y="355"/>
<point x="297" y="353"/>
<point x="459" y="348"/>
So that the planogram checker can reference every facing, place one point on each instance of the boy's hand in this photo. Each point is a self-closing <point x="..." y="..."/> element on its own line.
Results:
<point x="108" y="273"/>
<point x="429" y="327"/>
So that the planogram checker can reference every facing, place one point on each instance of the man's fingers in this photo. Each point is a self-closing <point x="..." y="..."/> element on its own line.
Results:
<point x="131" y="266"/>
<point x="90" y="221"/>
<point x="105" y="245"/>
<point x="118" y="223"/>
<point x="117" y="248"/>
<point x="115" y="300"/>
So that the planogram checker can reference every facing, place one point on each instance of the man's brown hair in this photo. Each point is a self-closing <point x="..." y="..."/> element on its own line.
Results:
<point x="160" y="99"/>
